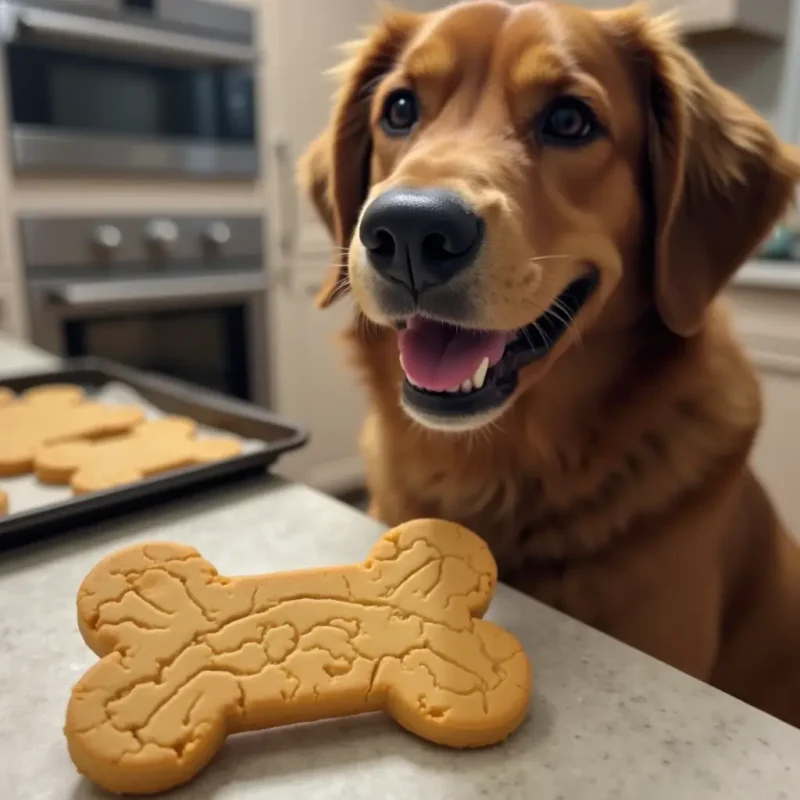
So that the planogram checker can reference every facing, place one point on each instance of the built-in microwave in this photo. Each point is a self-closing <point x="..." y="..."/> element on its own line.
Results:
<point x="145" y="86"/>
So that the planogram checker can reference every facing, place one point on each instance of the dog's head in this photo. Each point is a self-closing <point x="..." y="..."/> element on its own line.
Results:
<point x="503" y="181"/>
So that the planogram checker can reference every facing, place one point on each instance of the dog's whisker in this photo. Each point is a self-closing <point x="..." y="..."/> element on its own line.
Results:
<point x="562" y="315"/>
<point x="562" y="306"/>
<point x="544" y="336"/>
<point x="541" y="333"/>
<point x="528" y="339"/>
<point x="572" y="329"/>
<point x="486" y="432"/>
<point x="567" y="321"/>
<point x="368" y="325"/>
<point x="554" y="313"/>
<point x="339" y="288"/>
<point x="535" y="259"/>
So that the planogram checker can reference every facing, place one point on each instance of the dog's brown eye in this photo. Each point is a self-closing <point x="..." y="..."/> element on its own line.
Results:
<point x="400" y="113"/>
<point x="569" y="121"/>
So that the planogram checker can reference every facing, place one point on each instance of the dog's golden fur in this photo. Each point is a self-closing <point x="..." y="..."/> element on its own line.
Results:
<point x="615" y="487"/>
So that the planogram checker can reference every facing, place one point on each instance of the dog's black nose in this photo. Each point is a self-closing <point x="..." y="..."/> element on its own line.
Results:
<point x="420" y="237"/>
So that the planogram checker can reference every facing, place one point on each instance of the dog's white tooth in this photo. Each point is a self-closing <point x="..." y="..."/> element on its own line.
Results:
<point x="402" y="363"/>
<point x="466" y="386"/>
<point x="454" y="389"/>
<point x="480" y="374"/>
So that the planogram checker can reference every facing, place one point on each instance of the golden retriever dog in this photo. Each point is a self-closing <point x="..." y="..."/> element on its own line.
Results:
<point x="536" y="207"/>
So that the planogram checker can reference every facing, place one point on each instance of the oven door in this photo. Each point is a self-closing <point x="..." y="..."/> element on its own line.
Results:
<point x="112" y="94"/>
<point x="208" y="330"/>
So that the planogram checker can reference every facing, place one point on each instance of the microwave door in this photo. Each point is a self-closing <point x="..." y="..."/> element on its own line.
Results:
<point x="49" y="26"/>
<point x="91" y="94"/>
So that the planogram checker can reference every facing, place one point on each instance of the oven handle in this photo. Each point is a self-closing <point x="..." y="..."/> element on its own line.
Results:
<point x="108" y="294"/>
<point x="40" y="22"/>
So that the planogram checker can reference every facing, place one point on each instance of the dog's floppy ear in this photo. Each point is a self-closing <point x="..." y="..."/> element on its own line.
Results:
<point x="335" y="169"/>
<point x="720" y="177"/>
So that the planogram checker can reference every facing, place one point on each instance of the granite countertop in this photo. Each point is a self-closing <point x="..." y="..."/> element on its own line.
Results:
<point x="605" y="721"/>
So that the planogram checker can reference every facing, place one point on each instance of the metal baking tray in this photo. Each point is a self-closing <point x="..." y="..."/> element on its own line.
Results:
<point x="170" y="396"/>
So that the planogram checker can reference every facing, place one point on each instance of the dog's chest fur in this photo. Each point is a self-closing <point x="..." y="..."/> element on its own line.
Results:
<point x="574" y="480"/>
<point x="595" y="551"/>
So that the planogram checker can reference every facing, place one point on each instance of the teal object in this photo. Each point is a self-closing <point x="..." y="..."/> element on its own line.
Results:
<point x="780" y="244"/>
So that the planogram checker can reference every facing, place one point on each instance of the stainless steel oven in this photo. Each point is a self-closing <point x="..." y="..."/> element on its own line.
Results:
<point x="183" y="296"/>
<point x="146" y="86"/>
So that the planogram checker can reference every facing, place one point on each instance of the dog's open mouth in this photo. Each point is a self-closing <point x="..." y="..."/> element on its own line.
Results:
<point x="460" y="372"/>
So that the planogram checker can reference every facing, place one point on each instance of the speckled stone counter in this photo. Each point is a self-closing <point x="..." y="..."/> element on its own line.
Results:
<point x="605" y="721"/>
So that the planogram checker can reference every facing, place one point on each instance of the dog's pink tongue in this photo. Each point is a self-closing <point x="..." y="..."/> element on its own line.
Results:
<point x="437" y="356"/>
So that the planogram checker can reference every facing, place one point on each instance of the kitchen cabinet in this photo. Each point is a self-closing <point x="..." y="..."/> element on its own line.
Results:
<point x="312" y="383"/>
<point x="765" y="314"/>
<point x="776" y="458"/>
<point x="768" y="19"/>
<point x="323" y="390"/>
<point x="764" y="19"/>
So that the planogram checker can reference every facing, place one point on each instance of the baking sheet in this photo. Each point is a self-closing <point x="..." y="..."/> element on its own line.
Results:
<point x="26" y="492"/>
<point x="37" y="511"/>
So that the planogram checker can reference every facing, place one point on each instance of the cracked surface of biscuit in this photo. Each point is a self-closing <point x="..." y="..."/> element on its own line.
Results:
<point x="189" y="656"/>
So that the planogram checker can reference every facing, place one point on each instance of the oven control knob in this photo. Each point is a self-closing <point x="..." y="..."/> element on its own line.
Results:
<point x="161" y="232"/>
<point x="107" y="237"/>
<point x="217" y="233"/>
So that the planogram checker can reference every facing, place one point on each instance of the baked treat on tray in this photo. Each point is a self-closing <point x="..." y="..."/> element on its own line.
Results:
<point x="51" y="414"/>
<point x="153" y="447"/>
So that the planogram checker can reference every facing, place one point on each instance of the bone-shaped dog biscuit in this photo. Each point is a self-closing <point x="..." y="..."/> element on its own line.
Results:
<point x="153" y="447"/>
<point x="188" y="657"/>
<point x="52" y="414"/>
<point x="51" y="395"/>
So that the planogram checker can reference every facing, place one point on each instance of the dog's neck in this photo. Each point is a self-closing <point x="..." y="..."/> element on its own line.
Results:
<point x="605" y="442"/>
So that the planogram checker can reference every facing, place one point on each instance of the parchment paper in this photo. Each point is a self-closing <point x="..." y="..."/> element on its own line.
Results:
<point x="26" y="492"/>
